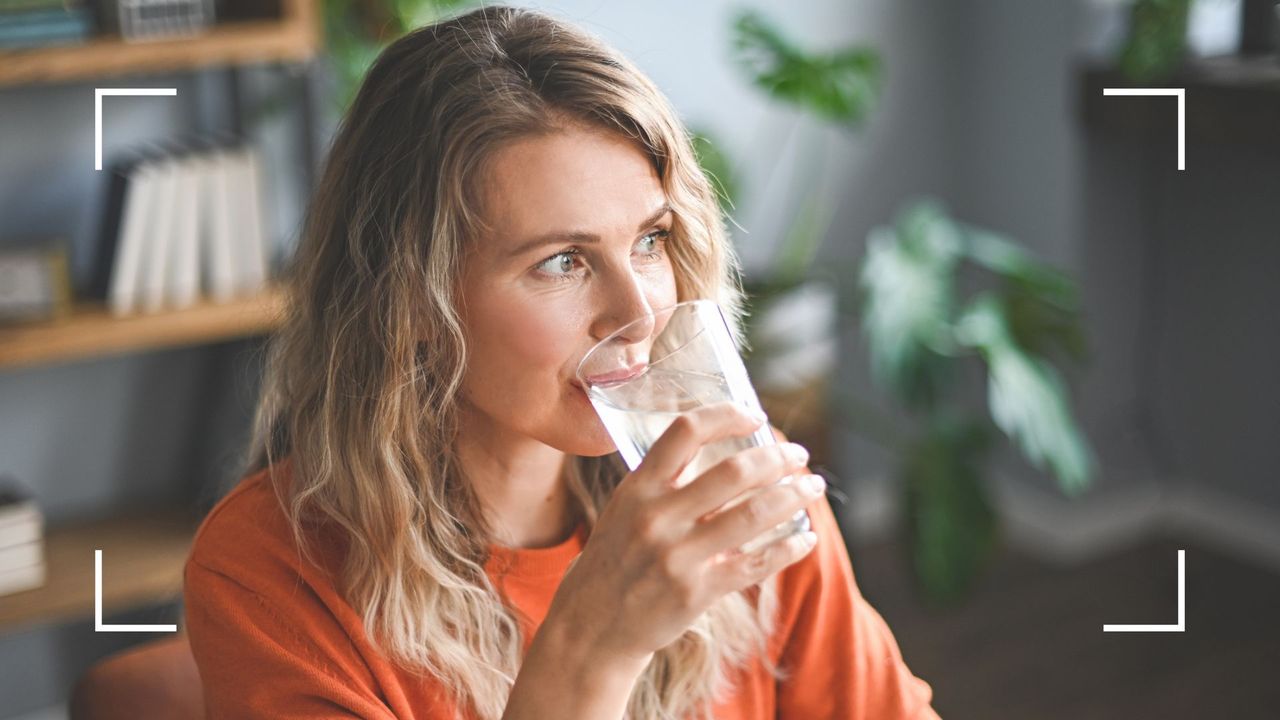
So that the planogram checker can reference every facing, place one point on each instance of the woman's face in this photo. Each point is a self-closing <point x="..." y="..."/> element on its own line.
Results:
<point x="577" y="249"/>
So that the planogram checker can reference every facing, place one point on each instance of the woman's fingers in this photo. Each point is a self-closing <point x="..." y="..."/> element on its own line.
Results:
<point x="688" y="433"/>
<point x="759" y="512"/>
<point x="735" y="475"/>
<point x="734" y="571"/>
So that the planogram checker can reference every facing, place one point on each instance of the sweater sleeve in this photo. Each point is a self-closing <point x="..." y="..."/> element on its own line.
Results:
<point x="256" y="663"/>
<point x="842" y="658"/>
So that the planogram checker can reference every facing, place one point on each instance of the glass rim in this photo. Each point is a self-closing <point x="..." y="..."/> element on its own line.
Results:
<point x="652" y="313"/>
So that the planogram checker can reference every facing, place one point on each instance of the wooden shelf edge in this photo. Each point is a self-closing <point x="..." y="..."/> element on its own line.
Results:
<point x="143" y="554"/>
<point x="293" y="38"/>
<point x="91" y="331"/>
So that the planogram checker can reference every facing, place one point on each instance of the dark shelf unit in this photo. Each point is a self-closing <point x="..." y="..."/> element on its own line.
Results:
<point x="1229" y="100"/>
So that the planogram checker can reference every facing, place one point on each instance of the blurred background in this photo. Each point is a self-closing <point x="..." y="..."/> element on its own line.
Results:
<point x="1031" y="353"/>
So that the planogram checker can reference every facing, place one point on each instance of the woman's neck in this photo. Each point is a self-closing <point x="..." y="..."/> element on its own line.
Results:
<point x="521" y="484"/>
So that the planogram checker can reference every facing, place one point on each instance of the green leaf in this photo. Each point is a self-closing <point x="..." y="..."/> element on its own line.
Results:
<point x="950" y="521"/>
<point x="841" y="86"/>
<point x="1041" y="303"/>
<point x="1026" y="396"/>
<point x="906" y="283"/>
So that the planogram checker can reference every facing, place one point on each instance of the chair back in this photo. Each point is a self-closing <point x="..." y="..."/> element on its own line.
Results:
<point x="156" y="680"/>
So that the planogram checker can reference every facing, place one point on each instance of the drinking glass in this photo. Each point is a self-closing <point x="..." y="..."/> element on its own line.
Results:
<point x="658" y="366"/>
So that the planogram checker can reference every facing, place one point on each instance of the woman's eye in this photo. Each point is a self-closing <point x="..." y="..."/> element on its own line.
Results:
<point x="559" y="264"/>
<point x="650" y="244"/>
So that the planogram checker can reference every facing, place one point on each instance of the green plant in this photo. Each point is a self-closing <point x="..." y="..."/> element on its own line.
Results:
<point x="1157" y="39"/>
<point x="357" y="30"/>
<point x="841" y="86"/>
<point x="920" y="334"/>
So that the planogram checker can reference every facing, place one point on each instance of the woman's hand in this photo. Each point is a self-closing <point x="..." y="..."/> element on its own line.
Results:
<point x="660" y="555"/>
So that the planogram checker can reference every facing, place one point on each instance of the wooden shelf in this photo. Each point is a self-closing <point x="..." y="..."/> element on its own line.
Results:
<point x="1230" y="100"/>
<point x="293" y="37"/>
<point x="92" y="331"/>
<point x="142" y="560"/>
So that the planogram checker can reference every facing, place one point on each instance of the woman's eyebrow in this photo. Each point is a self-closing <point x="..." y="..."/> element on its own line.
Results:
<point x="581" y="236"/>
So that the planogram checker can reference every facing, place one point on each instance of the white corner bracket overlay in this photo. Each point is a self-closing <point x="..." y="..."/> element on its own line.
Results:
<point x="97" y="606"/>
<point x="1181" y="626"/>
<point x="1181" y="94"/>
<point x="98" y="94"/>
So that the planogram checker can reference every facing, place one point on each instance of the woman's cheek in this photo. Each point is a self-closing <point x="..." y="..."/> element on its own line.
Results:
<point x="543" y="335"/>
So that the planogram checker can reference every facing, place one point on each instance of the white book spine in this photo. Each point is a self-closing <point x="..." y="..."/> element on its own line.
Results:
<point x="184" y="272"/>
<point x="161" y="239"/>
<point x="22" y="555"/>
<point x="123" y="295"/>
<point x="24" y="529"/>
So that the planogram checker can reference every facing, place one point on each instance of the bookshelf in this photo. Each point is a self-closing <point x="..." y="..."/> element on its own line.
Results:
<point x="92" y="331"/>
<point x="142" y="559"/>
<point x="293" y="37"/>
<point x="143" y="551"/>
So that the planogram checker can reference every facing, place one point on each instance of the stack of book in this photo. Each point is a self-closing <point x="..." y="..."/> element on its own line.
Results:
<point x="36" y="23"/>
<point x="179" y="226"/>
<point x="22" y="565"/>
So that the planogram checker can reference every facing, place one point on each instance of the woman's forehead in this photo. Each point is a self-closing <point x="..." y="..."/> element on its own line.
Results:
<point x="571" y="180"/>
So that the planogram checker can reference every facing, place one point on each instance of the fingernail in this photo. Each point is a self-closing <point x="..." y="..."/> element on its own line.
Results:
<point x="815" y="484"/>
<point x="756" y="415"/>
<point x="796" y="453"/>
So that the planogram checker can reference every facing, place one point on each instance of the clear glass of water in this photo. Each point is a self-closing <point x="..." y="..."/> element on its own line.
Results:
<point x="658" y="366"/>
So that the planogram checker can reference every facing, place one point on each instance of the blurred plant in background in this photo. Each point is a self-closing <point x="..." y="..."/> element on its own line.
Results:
<point x="1157" y="39"/>
<point x="357" y="30"/>
<point x="918" y="333"/>
<point x="919" y="336"/>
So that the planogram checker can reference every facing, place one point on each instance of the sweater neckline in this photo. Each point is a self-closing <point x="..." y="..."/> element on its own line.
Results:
<point x="537" y="562"/>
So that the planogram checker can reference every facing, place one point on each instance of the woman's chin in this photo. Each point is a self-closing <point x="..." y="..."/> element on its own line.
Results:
<point x="588" y="437"/>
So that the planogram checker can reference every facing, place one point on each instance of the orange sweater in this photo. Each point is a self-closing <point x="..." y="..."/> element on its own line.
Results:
<point x="273" y="638"/>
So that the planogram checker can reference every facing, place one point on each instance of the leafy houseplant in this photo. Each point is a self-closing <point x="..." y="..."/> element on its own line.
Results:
<point x="918" y="335"/>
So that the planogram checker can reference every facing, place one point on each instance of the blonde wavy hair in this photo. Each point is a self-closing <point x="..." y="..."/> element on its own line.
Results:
<point x="361" y="383"/>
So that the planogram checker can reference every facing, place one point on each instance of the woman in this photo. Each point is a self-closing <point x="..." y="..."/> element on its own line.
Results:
<point x="434" y="523"/>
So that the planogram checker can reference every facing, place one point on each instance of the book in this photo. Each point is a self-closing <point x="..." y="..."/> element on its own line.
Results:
<point x="16" y="500"/>
<point x="183" y="284"/>
<point x="19" y="579"/>
<point x="36" y="16"/>
<point x="24" y="529"/>
<point x="27" y="36"/>
<point x="7" y="6"/>
<point x="21" y="520"/>
<point x="21" y="555"/>
<point x="124" y="294"/>
<point x="115" y="198"/>
<point x="159" y="238"/>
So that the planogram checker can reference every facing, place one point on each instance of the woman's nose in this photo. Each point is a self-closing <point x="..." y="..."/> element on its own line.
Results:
<point x="626" y="308"/>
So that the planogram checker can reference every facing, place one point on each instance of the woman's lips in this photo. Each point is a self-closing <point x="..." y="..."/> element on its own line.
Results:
<point x="619" y="375"/>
